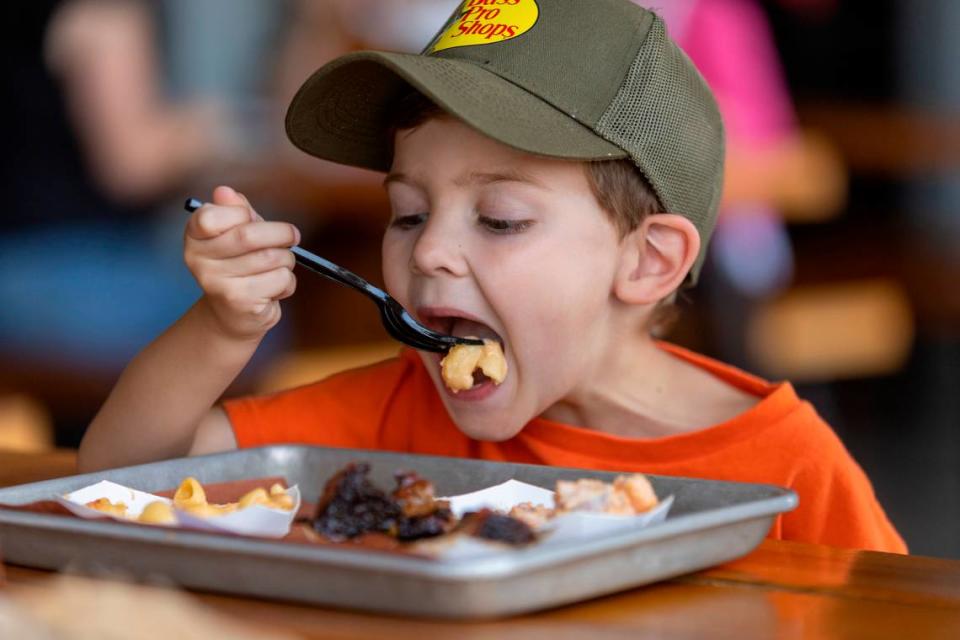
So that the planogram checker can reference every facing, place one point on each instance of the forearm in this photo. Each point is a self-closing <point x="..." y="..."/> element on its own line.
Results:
<point x="137" y="142"/>
<point x="162" y="396"/>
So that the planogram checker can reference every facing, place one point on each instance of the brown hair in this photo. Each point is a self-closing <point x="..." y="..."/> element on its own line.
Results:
<point x="619" y="187"/>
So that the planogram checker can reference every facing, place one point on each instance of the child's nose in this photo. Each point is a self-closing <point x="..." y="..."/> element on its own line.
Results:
<point x="438" y="250"/>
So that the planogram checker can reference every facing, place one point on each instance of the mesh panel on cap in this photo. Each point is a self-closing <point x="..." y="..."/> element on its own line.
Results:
<point x="666" y="118"/>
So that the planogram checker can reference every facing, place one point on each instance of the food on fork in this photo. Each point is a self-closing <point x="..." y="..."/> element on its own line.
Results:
<point x="467" y="364"/>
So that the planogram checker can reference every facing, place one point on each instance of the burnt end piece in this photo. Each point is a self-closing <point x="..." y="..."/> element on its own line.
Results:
<point x="436" y="524"/>
<point x="423" y="515"/>
<point x="498" y="527"/>
<point x="351" y="505"/>
<point x="414" y="494"/>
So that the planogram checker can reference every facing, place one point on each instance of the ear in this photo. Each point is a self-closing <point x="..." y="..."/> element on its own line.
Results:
<point x="655" y="258"/>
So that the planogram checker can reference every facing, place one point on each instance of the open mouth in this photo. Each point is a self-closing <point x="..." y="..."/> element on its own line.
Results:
<point x="452" y="323"/>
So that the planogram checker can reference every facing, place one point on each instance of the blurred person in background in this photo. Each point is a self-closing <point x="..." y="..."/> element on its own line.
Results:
<point x="774" y="170"/>
<point x="115" y="110"/>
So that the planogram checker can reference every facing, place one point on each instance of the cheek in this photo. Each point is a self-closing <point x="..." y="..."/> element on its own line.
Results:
<point x="395" y="257"/>
<point x="557" y="325"/>
<point x="552" y="300"/>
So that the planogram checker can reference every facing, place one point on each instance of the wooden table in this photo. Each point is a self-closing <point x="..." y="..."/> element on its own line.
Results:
<point x="783" y="590"/>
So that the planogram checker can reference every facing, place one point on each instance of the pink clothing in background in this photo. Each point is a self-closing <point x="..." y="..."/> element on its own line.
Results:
<point x="731" y="44"/>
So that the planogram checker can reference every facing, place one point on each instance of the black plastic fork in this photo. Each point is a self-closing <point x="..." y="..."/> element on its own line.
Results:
<point x="396" y="320"/>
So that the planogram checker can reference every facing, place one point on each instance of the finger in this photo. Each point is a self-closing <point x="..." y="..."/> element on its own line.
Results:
<point x="255" y="262"/>
<point x="268" y="286"/>
<point x="250" y="237"/>
<point x="210" y="221"/>
<point x="229" y="196"/>
<point x="256" y="216"/>
<point x="291" y="288"/>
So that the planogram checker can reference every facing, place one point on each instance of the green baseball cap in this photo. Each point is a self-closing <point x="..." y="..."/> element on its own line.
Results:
<point x="573" y="79"/>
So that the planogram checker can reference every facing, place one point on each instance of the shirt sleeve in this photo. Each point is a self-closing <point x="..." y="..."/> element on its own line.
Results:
<point x="838" y="506"/>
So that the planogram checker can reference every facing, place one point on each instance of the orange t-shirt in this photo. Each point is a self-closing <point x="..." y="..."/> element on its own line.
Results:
<point x="394" y="406"/>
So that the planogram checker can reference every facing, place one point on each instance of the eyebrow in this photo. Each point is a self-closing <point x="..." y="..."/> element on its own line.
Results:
<point x="482" y="178"/>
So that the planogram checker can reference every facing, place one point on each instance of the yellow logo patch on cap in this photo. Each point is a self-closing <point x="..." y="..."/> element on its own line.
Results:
<point x="487" y="22"/>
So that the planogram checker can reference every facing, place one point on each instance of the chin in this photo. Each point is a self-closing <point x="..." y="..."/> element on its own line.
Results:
<point x="488" y="428"/>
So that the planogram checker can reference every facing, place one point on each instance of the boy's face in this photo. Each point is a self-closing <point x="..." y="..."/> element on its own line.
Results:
<point x="488" y="241"/>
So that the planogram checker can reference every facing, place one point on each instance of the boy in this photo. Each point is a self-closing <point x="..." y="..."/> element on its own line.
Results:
<point x="555" y="168"/>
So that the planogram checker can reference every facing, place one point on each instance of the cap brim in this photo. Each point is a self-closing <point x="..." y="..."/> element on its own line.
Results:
<point x="343" y="111"/>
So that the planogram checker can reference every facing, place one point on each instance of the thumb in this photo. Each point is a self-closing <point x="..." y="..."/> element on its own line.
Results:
<point x="228" y="196"/>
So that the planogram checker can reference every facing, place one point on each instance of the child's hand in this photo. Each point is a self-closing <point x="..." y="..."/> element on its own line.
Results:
<point x="242" y="263"/>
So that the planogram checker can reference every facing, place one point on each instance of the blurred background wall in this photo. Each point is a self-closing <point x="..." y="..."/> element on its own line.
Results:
<point x="834" y="263"/>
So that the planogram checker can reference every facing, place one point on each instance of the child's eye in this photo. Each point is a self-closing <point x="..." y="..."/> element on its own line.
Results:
<point x="504" y="227"/>
<point x="408" y="222"/>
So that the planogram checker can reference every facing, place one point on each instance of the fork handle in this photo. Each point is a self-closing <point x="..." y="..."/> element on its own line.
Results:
<point x="336" y="273"/>
<point x="319" y="265"/>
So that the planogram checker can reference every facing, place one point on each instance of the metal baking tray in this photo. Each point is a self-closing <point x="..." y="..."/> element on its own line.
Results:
<point x="711" y="522"/>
